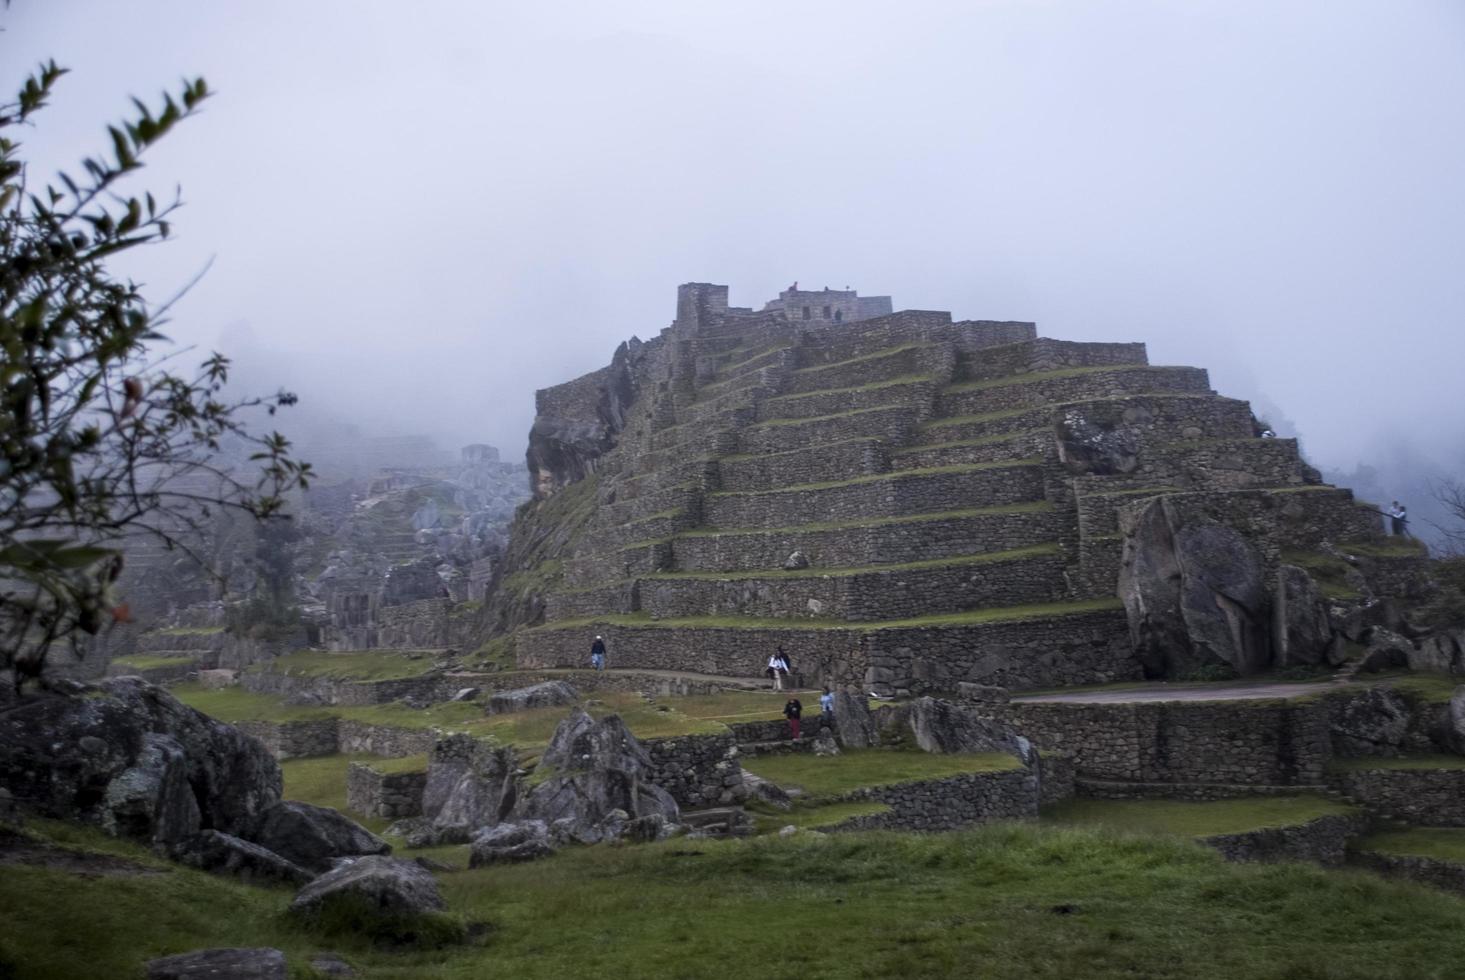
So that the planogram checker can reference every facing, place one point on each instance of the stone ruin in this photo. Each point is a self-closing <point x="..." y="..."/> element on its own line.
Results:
<point x="906" y="503"/>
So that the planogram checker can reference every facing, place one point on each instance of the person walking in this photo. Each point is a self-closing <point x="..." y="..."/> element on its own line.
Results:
<point x="826" y="707"/>
<point x="1398" y="517"/>
<point x="597" y="653"/>
<point x="777" y="668"/>
<point x="792" y="711"/>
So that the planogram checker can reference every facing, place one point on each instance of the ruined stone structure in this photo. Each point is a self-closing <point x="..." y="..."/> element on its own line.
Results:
<point x="905" y="502"/>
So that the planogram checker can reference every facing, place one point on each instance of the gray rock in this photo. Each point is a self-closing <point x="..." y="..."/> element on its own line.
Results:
<point x="510" y="843"/>
<point x="1455" y="722"/>
<point x="796" y="561"/>
<point x="386" y="886"/>
<point x="220" y="964"/>
<point x="581" y="743"/>
<point x="163" y="770"/>
<point x="824" y="744"/>
<point x="1194" y="594"/>
<point x="470" y="785"/>
<point x="1089" y="443"/>
<point x="1387" y="650"/>
<point x="943" y="726"/>
<point x="331" y="965"/>
<point x="465" y="694"/>
<point x="853" y="726"/>
<point x="586" y="798"/>
<point x="217" y="678"/>
<point x="982" y="693"/>
<point x="1302" y="633"/>
<point x="1373" y="721"/>
<point x="644" y="830"/>
<point x="1440" y="653"/>
<point x="769" y="792"/>
<point x="550" y="694"/>
<point x="226" y="854"/>
<point x="313" y="836"/>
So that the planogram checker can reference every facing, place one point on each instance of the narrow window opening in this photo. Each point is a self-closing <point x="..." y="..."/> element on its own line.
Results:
<point x="826" y="312"/>
<point x="806" y="313"/>
<point x="838" y="316"/>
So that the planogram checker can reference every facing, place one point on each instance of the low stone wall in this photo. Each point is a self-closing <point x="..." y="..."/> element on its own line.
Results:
<point x="1271" y="743"/>
<point x="335" y="736"/>
<point x="817" y="404"/>
<point x="1435" y="797"/>
<point x="421" y="625"/>
<point x="390" y="795"/>
<point x="1047" y="354"/>
<point x="894" y="423"/>
<point x="1430" y="871"/>
<point x="430" y="687"/>
<point x="618" y="597"/>
<point x="697" y="770"/>
<point x="1323" y="840"/>
<point x="812" y="464"/>
<point x="946" y="804"/>
<point x="934" y="360"/>
<point x="1103" y="789"/>
<point x="893" y="495"/>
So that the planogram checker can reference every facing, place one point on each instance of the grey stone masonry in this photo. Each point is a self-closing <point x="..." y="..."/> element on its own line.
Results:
<point x="1043" y="354"/>
<point x="1073" y="384"/>
<point x="697" y="770"/>
<point x="946" y="804"/>
<point x="390" y="795"/>
<point x="1435" y="797"/>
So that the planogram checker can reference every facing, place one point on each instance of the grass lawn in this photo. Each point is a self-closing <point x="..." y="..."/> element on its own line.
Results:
<point x="148" y="661"/>
<point x="1440" y="843"/>
<point x="1429" y="688"/>
<point x="819" y="776"/>
<point x="1002" y="903"/>
<point x="1187" y="818"/>
<point x="1407" y="762"/>
<point x="361" y="665"/>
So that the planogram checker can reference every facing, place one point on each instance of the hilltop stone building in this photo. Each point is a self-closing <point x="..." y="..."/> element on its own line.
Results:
<point x="906" y="502"/>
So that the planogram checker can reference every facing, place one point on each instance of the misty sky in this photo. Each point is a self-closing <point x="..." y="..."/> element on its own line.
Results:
<point x="421" y="212"/>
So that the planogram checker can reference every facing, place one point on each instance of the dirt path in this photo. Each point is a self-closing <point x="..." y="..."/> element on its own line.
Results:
<point x="1171" y="692"/>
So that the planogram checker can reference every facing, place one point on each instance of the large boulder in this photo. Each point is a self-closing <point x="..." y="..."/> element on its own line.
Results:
<point x="260" y="963"/>
<point x="853" y="726"/>
<point x="1373" y="721"/>
<point x="1454" y="734"/>
<point x="1387" y="650"/>
<point x="470" y="785"/>
<point x="510" y="843"/>
<point x="550" y="694"/>
<point x="129" y="757"/>
<point x="1093" y="439"/>
<point x="1302" y="633"/>
<point x="226" y="854"/>
<point x="313" y="836"/>
<point x="581" y="743"/>
<point x="1441" y="653"/>
<point x="383" y="897"/>
<point x="1194" y="593"/>
<point x="944" y="726"/>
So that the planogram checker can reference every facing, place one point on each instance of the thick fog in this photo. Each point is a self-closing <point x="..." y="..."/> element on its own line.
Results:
<point x="419" y="213"/>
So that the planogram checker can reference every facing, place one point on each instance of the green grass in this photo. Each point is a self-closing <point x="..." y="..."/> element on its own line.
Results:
<point x="974" y="617"/>
<point x="362" y="665"/>
<point x="1405" y="762"/>
<point x="730" y="706"/>
<point x="1186" y="818"/>
<point x="825" y="777"/>
<point x="885" y="477"/>
<point x="1440" y="843"/>
<point x="1035" y="507"/>
<point x="1328" y="571"/>
<point x="983" y="558"/>
<point x="1006" y="902"/>
<point x="150" y="661"/>
<point x="813" y="816"/>
<point x="1427" y="688"/>
<point x="1386" y="547"/>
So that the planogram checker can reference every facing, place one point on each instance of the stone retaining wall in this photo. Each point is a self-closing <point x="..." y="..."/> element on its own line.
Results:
<point x="697" y="770"/>
<point x="390" y="795"/>
<point x="1047" y="354"/>
<point x="894" y="423"/>
<point x="1323" y="840"/>
<point x="920" y="393"/>
<point x="1032" y="391"/>
<point x="813" y="464"/>
<point x="946" y="804"/>
<point x="334" y="736"/>
<point x="919" y="359"/>
<point x="1239" y="742"/>
<point x="876" y="543"/>
<point x="1431" y="871"/>
<point x="894" y="495"/>
<point x="345" y="693"/>
<point x="1435" y="797"/>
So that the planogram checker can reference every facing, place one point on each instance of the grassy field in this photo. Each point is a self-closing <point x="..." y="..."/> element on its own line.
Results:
<point x="1441" y="843"/>
<point x="819" y="776"/>
<point x="149" y="661"/>
<point x="360" y="665"/>
<point x="1003" y="902"/>
<point x="1186" y="818"/>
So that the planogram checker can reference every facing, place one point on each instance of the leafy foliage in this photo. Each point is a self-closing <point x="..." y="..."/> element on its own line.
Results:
<point x="98" y="442"/>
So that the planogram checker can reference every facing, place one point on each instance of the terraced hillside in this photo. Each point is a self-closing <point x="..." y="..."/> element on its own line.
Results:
<point x="903" y="503"/>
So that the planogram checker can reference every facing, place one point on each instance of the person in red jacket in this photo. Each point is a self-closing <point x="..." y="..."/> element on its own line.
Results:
<point x="792" y="711"/>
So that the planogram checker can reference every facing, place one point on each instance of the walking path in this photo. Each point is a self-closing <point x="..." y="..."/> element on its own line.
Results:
<point x="1160" y="691"/>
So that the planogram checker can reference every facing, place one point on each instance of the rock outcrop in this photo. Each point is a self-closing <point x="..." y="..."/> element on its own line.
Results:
<point x="550" y="694"/>
<point x="313" y="837"/>
<point x="510" y="843"/>
<point x="470" y="785"/>
<point x="129" y="757"/>
<point x="370" y="889"/>
<point x="1195" y="594"/>
<point x="260" y="963"/>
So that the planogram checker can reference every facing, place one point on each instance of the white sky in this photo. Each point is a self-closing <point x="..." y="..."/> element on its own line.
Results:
<point x="421" y="212"/>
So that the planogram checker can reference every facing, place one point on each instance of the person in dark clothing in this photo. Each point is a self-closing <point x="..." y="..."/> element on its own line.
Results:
<point x="793" y="710"/>
<point x="597" y="654"/>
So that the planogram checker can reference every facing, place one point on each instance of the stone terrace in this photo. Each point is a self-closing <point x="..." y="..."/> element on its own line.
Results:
<point x="903" y="502"/>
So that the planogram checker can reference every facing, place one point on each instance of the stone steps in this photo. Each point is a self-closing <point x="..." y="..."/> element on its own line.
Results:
<point x="1044" y="354"/>
<point x="925" y="588"/>
<point x="1069" y="385"/>
<point x="1027" y="444"/>
<point x="813" y="464"/>
<point x="915" y="390"/>
<point x="884" y="495"/>
<point x="919" y="359"/>
<point x="893" y="423"/>
<point x="873" y="542"/>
